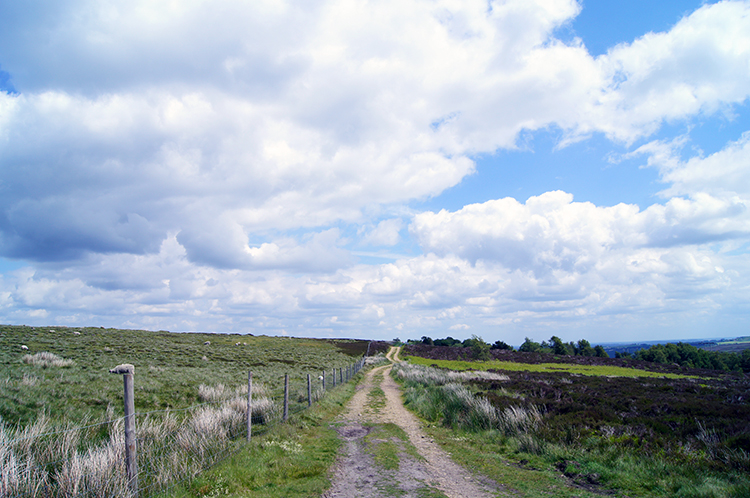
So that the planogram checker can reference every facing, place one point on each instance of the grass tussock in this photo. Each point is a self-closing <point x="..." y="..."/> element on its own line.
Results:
<point x="425" y="375"/>
<point x="46" y="360"/>
<point x="220" y="392"/>
<point x="457" y="406"/>
<point x="42" y="459"/>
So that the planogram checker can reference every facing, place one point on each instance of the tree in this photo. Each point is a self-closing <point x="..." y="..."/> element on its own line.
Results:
<point x="558" y="347"/>
<point x="427" y="340"/>
<point x="479" y="348"/>
<point x="600" y="352"/>
<point x="584" y="348"/>
<point x="529" y="346"/>
<point x="448" y="341"/>
<point x="501" y="345"/>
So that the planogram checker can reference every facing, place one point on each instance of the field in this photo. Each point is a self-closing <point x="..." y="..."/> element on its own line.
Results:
<point x="571" y="369"/>
<point x="606" y="429"/>
<point x="61" y="410"/>
<point x="736" y="345"/>
<point x="169" y="367"/>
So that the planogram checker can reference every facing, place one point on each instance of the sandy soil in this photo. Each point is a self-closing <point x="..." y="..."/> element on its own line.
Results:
<point x="357" y="475"/>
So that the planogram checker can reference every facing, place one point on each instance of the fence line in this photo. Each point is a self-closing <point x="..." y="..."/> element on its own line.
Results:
<point x="160" y="449"/>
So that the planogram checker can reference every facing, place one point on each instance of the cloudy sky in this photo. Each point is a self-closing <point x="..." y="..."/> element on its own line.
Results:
<point x="377" y="169"/>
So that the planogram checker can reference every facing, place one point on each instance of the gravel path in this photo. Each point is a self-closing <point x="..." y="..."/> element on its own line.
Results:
<point x="356" y="474"/>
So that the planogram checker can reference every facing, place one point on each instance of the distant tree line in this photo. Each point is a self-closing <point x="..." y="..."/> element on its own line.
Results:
<point x="554" y="346"/>
<point x="689" y="356"/>
<point x="557" y="346"/>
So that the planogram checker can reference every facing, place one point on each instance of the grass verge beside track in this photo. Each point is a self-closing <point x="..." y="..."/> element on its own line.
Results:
<point x="291" y="461"/>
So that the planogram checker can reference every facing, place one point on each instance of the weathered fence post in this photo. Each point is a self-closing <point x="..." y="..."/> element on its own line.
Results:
<point x="286" y="397"/>
<point x="309" y="391"/>
<point x="131" y="455"/>
<point x="334" y="377"/>
<point x="324" y="380"/>
<point x="341" y="374"/>
<point x="249" y="404"/>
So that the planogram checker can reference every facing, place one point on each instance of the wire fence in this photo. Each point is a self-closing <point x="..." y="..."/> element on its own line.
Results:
<point x="164" y="447"/>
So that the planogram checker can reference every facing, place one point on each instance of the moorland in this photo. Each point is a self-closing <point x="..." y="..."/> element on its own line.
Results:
<point x="609" y="425"/>
<point x="540" y="423"/>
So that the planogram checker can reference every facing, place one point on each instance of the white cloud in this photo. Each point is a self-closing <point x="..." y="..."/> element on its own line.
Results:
<point x="385" y="234"/>
<point x="699" y="66"/>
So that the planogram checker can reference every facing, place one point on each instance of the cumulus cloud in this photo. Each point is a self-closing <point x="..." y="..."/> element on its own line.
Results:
<point x="698" y="66"/>
<point x="722" y="174"/>
<point x="159" y="120"/>
<point x="551" y="232"/>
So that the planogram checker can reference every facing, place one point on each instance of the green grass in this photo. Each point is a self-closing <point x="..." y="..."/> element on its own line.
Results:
<point x="388" y="440"/>
<point x="169" y="367"/>
<point x="291" y="461"/>
<point x="593" y="370"/>
<point x="738" y="340"/>
<point x="485" y="453"/>
<point x="385" y="451"/>
<point x="376" y="396"/>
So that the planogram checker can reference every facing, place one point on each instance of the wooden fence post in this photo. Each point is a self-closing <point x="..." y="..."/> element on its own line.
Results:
<point x="309" y="391"/>
<point x="334" y="377"/>
<point x="324" y="380"/>
<point x="286" y="397"/>
<point x="131" y="455"/>
<point x="249" y="404"/>
<point x="341" y="374"/>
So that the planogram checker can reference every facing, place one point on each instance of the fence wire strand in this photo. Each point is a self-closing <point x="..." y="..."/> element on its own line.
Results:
<point x="173" y="445"/>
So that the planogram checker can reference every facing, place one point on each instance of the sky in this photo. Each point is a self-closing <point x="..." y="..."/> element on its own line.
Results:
<point x="506" y="169"/>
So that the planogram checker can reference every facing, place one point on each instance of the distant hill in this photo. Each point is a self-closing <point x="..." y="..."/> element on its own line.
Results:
<point x="735" y="345"/>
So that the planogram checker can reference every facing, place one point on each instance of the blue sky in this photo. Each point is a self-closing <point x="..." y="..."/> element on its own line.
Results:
<point x="378" y="170"/>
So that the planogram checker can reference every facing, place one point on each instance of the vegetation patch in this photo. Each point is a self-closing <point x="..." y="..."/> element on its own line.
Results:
<point x="46" y="360"/>
<point x="592" y="370"/>
<point x="169" y="368"/>
<point x="376" y="399"/>
<point x="633" y="435"/>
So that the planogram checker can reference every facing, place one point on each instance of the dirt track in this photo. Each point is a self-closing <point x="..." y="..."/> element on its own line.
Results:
<point x="356" y="474"/>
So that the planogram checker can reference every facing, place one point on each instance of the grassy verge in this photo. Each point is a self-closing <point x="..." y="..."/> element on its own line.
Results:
<point x="292" y="460"/>
<point x="598" y="370"/>
<point x="485" y="454"/>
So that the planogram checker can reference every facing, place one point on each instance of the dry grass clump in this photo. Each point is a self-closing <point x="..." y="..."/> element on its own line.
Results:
<point x="29" y="380"/>
<point x="46" y="360"/>
<point x="437" y="394"/>
<point x="429" y="376"/>
<point x="219" y="392"/>
<point x="45" y="460"/>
